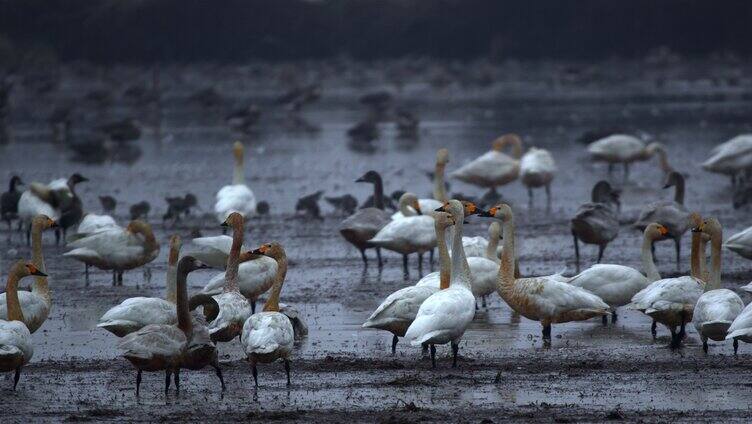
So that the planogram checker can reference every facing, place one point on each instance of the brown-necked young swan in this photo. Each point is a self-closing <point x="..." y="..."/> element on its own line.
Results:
<point x="363" y="225"/>
<point x="596" y="222"/>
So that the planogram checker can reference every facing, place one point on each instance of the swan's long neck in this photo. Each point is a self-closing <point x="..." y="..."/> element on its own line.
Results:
<point x="679" y="193"/>
<point x="272" y="304"/>
<point x="703" y="262"/>
<point x="697" y="256"/>
<point x="493" y="242"/>
<point x="663" y="161"/>
<point x="238" y="175"/>
<point x="439" y="187"/>
<point x="715" y="259"/>
<point x="12" y="185"/>
<point x="40" y="287"/>
<point x="172" y="275"/>
<point x="651" y="272"/>
<point x="460" y="267"/>
<point x="506" y="279"/>
<point x="445" y="270"/>
<point x="184" y="315"/>
<point x="11" y="296"/>
<point x="233" y="260"/>
<point x="405" y="209"/>
<point x="378" y="194"/>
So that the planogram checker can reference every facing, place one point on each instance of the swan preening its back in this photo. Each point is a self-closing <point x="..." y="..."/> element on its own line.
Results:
<point x="236" y="197"/>
<point x="494" y="168"/>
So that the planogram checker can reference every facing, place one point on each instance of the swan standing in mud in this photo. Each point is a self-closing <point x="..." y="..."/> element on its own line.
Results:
<point x="625" y="149"/>
<point x="439" y="188"/>
<point x="494" y="168"/>
<point x="236" y="197"/>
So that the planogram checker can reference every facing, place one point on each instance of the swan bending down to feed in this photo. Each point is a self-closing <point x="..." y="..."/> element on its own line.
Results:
<point x="398" y="310"/>
<point x="741" y="243"/>
<point x="137" y="312"/>
<point x="363" y="225"/>
<point x="731" y="158"/>
<point x="445" y="315"/>
<point x="439" y="189"/>
<point x="168" y="348"/>
<point x="16" y="348"/>
<point x="268" y="335"/>
<point x="37" y="303"/>
<point x="596" y="222"/>
<point x="543" y="299"/>
<point x="236" y="197"/>
<point x="494" y="168"/>
<point x="625" y="149"/>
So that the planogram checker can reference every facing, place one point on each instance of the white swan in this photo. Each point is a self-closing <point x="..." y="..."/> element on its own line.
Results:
<point x="717" y="308"/>
<point x="481" y="247"/>
<point x="493" y="168"/>
<point x="428" y="206"/>
<point x="731" y="158"/>
<point x="741" y="243"/>
<point x="625" y="149"/>
<point x="446" y="314"/>
<point x="398" y="310"/>
<point x="38" y="200"/>
<point x="91" y="223"/>
<point x="268" y="335"/>
<point x="543" y="299"/>
<point x="136" y="312"/>
<point x="255" y="276"/>
<point x="16" y="348"/>
<point x="213" y="250"/>
<point x="236" y="197"/>
<point x="537" y="169"/>
<point x="37" y="303"/>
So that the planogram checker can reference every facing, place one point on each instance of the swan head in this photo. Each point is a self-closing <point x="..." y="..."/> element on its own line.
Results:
<point x="273" y="250"/>
<point x="410" y="199"/>
<point x="455" y="207"/>
<point x="655" y="231"/>
<point x="509" y="139"/>
<point x="233" y="220"/>
<point x="16" y="181"/>
<point x="655" y="147"/>
<point x="237" y="151"/>
<point x="672" y="179"/>
<point x="709" y="226"/>
<point x="442" y="157"/>
<point x="189" y="263"/>
<point x="443" y="220"/>
<point x="369" y="177"/>
<point x="24" y="269"/>
<point x="603" y="193"/>
<point x="175" y="244"/>
<point x="501" y="211"/>
<point x="44" y="222"/>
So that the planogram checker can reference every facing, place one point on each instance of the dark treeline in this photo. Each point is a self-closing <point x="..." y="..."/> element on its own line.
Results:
<point x="235" y="30"/>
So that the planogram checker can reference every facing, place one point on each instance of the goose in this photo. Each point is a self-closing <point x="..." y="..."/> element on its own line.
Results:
<point x="269" y="335"/>
<point x="236" y="197"/>
<point x="624" y="149"/>
<point x="731" y="158"/>
<point x="35" y="304"/>
<point x="9" y="201"/>
<point x="669" y="301"/>
<point x="363" y="225"/>
<point x="445" y="315"/>
<point x="137" y="312"/>
<point x="596" y="222"/>
<point x="493" y="168"/>
<point x="398" y="310"/>
<point x="741" y="243"/>
<point x="117" y="249"/>
<point x="439" y="188"/>
<point x="537" y="169"/>
<point x="16" y="348"/>
<point x="71" y="208"/>
<point x="717" y="308"/>
<point x="671" y="214"/>
<point x="411" y="234"/>
<point x="170" y="347"/>
<point x="543" y="299"/>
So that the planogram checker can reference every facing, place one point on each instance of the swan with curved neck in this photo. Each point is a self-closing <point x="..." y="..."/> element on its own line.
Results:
<point x="439" y="186"/>
<point x="624" y="149"/>
<point x="268" y="335"/>
<point x="137" y="312"/>
<point x="596" y="222"/>
<point x="236" y="197"/>
<point x="445" y="315"/>
<point x="717" y="308"/>
<point x="37" y="303"/>
<point x="494" y="168"/>
<point x="363" y="225"/>
<point x="15" y="338"/>
<point x="731" y="158"/>
<point x="541" y="299"/>
<point x="398" y="310"/>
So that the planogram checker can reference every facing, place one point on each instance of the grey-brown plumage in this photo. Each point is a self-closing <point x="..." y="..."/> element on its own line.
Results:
<point x="71" y="208"/>
<point x="9" y="201"/>
<point x="346" y="204"/>
<point x="365" y="223"/>
<point x="309" y="204"/>
<point x="596" y="222"/>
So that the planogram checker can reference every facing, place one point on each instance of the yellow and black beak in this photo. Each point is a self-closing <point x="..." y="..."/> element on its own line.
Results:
<point x="54" y="224"/>
<point x="224" y="224"/>
<point x="443" y="208"/>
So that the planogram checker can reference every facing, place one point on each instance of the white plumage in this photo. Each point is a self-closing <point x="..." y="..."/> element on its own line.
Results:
<point x="614" y="284"/>
<point x="91" y="223"/>
<point x="413" y="234"/>
<point x="741" y="243"/>
<point x="16" y="348"/>
<point x="234" y="198"/>
<point x="255" y="277"/>
<point x="137" y="312"/>
<point x="234" y="310"/>
<point x="491" y="169"/>
<point x="714" y="312"/>
<point x="731" y="157"/>
<point x="35" y="309"/>
<point x="268" y="336"/>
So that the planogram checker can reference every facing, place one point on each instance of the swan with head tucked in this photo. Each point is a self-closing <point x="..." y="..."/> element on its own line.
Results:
<point x="136" y="312"/>
<point x="596" y="222"/>
<point x="268" y="335"/>
<point x="43" y="199"/>
<point x="545" y="298"/>
<point x="364" y="224"/>
<point x="37" y="303"/>
<point x="117" y="249"/>
<point x="439" y="189"/>
<point x="731" y="158"/>
<point x="669" y="301"/>
<point x="92" y="223"/>
<point x="398" y="310"/>
<point x="236" y="197"/>
<point x="16" y="348"/>
<point x="537" y="169"/>
<point x="741" y="243"/>
<point x="717" y="308"/>
<point x="494" y="168"/>
<point x="671" y="214"/>
<point x="445" y="315"/>
<point x="255" y="276"/>
<point x="626" y="149"/>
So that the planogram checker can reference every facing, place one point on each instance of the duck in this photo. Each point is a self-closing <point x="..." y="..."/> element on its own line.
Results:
<point x="672" y="214"/>
<point x="622" y="148"/>
<point x="16" y="347"/>
<point x="9" y="201"/>
<point x="137" y="312"/>
<point x="668" y="301"/>
<point x="399" y="309"/>
<point x="269" y="335"/>
<point x="117" y="249"/>
<point x="140" y="210"/>
<point x="596" y="222"/>
<point x="411" y="234"/>
<point x="544" y="299"/>
<point x="741" y="243"/>
<point x="439" y="188"/>
<point x="494" y="168"/>
<point x="170" y="347"/>
<point x="236" y="197"/>
<point x="717" y="308"/>
<point x="37" y="303"/>
<point x="731" y="158"/>
<point x="364" y="224"/>
<point x="537" y="169"/>
<point x="445" y="315"/>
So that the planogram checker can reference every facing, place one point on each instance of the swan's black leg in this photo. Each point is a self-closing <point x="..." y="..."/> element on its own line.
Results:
<point x="287" y="370"/>
<point x="654" y="329"/>
<point x="455" y="349"/>
<point x="483" y="300"/>
<point x="404" y="264"/>
<point x="218" y="370"/>
<point x="705" y="345"/>
<point x="255" y="373"/>
<point x="433" y="356"/>
<point x="547" y="334"/>
<point x="395" y="339"/>
<point x="16" y="377"/>
<point x="604" y="319"/>
<point x="601" y="249"/>
<point x="736" y="346"/>
<point x="677" y="243"/>
<point x="430" y="257"/>
<point x="626" y="171"/>
<point x="610" y="169"/>
<point x="530" y="197"/>
<point x="114" y="278"/>
<point x="57" y="236"/>
<point x="576" y="252"/>
<point x="168" y="374"/>
<point x="548" y="196"/>
<point x="420" y="263"/>
<point x="614" y="317"/>
<point x="177" y="381"/>
<point x="378" y="255"/>
<point x="363" y="256"/>
<point x="28" y="235"/>
<point x="253" y="306"/>
<point x="138" y="383"/>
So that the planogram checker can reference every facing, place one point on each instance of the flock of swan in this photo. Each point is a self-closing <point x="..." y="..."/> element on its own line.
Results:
<point x="182" y="332"/>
